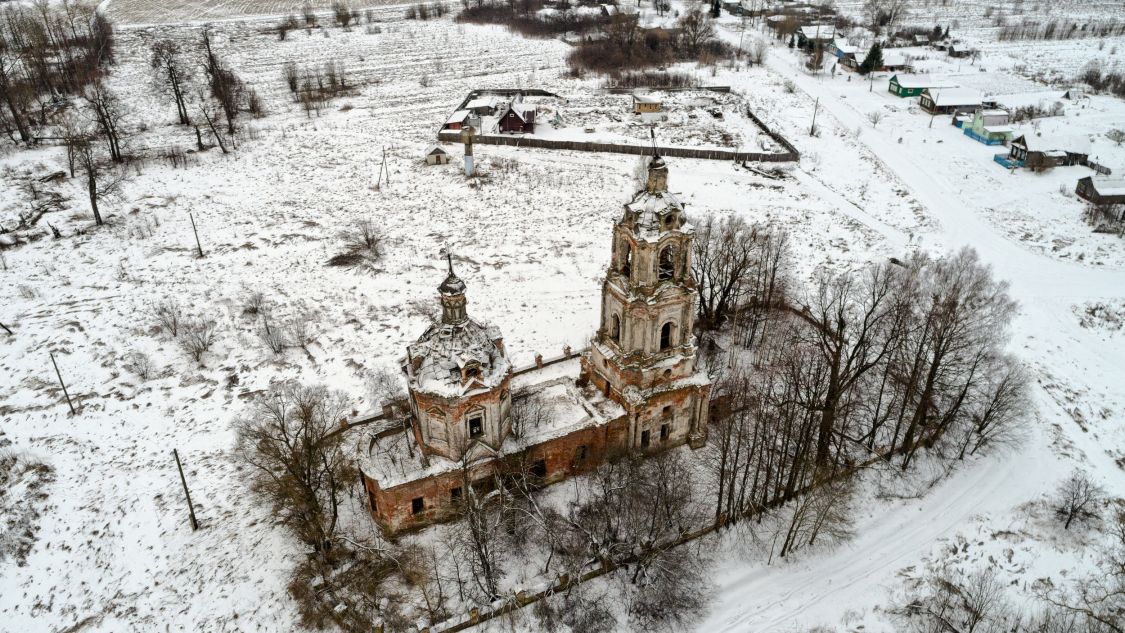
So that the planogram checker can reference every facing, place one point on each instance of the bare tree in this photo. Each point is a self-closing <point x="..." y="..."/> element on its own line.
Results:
<point x="102" y="181"/>
<point x="1078" y="499"/>
<point x="875" y="116"/>
<point x="724" y="261"/>
<point x="206" y="110"/>
<point x="109" y="114"/>
<point x="759" y="48"/>
<point x="173" y="74"/>
<point x="697" y="30"/>
<point x="169" y="315"/>
<point x="343" y="13"/>
<point x="946" y="601"/>
<point x="298" y="462"/>
<point x="15" y="94"/>
<point x="198" y="336"/>
<point x="1097" y="600"/>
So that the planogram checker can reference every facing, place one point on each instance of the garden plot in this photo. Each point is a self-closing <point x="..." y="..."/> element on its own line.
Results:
<point x="689" y="119"/>
<point x="126" y="12"/>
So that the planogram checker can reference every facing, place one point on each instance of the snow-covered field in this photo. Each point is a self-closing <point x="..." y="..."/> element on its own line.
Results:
<point x="158" y="12"/>
<point x="113" y="551"/>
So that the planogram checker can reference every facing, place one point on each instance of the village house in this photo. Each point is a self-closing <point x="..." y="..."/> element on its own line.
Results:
<point x="844" y="52"/>
<point x="989" y="126"/>
<point x="483" y="106"/>
<point x="949" y="100"/>
<point x="475" y="423"/>
<point x="1103" y="191"/>
<point x="516" y="117"/>
<point x="646" y="104"/>
<point x="914" y="85"/>
<point x="958" y="50"/>
<point x="810" y="36"/>
<point x="1037" y="153"/>
<point x="895" y="61"/>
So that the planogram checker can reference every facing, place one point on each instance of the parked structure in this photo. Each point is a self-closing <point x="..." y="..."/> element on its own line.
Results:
<point x="949" y="100"/>
<point x="914" y="85"/>
<point x="474" y="423"/>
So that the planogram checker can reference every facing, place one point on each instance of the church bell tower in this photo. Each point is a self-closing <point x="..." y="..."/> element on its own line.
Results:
<point x="644" y="354"/>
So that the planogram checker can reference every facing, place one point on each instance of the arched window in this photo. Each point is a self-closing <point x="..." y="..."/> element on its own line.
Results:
<point x="627" y="261"/>
<point x="667" y="267"/>
<point x="666" y="333"/>
<point x="615" y="328"/>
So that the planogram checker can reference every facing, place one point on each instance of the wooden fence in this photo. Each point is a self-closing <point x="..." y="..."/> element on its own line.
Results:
<point x="790" y="155"/>
<point x="636" y="150"/>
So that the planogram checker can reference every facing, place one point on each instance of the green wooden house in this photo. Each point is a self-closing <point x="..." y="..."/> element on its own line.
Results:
<point x="915" y="85"/>
<point x="990" y="126"/>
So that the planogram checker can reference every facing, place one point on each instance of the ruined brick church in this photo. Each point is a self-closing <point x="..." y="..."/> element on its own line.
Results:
<point x="639" y="388"/>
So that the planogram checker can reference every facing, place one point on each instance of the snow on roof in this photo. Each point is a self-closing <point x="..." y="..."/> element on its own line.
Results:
<point x="393" y="460"/>
<point x="435" y="149"/>
<point x="610" y="9"/>
<point x="1024" y="99"/>
<point x="458" y="116"/>
<point x="954" y="96"/>
<point x="998" y="129"/>
<point x="923" y="81"/>
<point x="1109" y="186"/>
<point x="436" y="359"/>
<point x="482" y="102"/>
<point x="846" y="48"/>
<point x="1078" y="143"/>
<point x="894" y="58"/>
<point x="646" y="99"/>
<point x="823" y="31"/>
<point x="993" y="112"/>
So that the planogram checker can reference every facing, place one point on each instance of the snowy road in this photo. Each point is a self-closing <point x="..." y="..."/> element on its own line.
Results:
<point x="855" y="578"/>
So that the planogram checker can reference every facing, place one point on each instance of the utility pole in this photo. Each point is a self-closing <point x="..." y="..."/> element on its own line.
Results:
<point x="198" y="247"/>
<point x="6" y="329"/>
<point x="61" y="383"/>
<point x="190" y="507"/>
<point x="816" y="107"/>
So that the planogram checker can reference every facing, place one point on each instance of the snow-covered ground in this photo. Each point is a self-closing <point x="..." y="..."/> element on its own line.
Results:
<point x="113" y="549"/>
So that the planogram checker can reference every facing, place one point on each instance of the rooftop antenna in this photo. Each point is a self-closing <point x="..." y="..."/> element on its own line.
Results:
<point x="449" y="260"/>
<point x="652" y="135"/>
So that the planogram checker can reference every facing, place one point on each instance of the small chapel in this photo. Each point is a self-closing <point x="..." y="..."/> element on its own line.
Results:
<point x="637" y="389"/>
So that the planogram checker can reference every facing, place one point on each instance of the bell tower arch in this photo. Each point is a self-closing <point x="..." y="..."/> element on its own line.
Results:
<point x="645" y="344"/>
